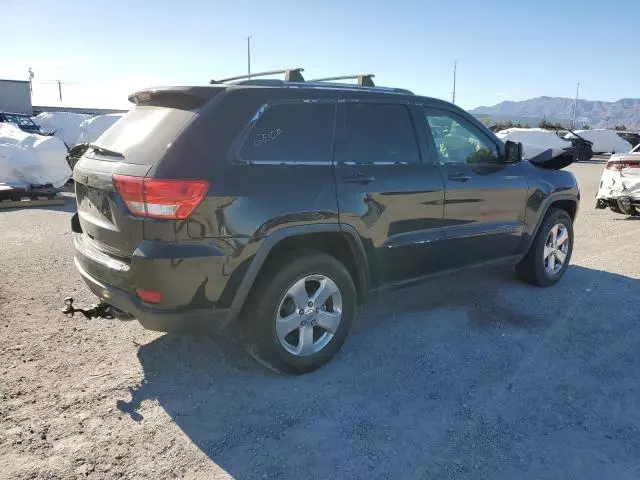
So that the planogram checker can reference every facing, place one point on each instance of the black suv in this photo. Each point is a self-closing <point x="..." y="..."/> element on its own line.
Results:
<point x="277" y="206"/>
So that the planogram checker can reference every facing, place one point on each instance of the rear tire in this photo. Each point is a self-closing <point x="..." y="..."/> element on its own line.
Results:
<point x="615" y="208"/>
<point x="549" y="255"/>
<point x="283" y="300"/>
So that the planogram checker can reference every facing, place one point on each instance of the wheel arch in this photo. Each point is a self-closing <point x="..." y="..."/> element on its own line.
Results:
<point x="568" y="203"/>
<point x="341" y="242"/>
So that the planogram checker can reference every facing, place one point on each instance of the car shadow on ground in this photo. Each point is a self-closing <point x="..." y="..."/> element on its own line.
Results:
<point x="471" y="375"/>
<point x="596" y="161"/>
<point x="69" y="207"/>
<point x="630" y="217"/>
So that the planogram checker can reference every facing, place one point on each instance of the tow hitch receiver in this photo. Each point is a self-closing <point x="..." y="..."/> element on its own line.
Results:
<point x="101" y="310"/>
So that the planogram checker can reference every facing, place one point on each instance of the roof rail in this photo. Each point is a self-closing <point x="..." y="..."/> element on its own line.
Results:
<point x="290" y="75"/>
<point x="364" y="80"/>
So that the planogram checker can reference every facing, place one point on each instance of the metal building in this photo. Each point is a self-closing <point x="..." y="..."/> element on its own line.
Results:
<point x="15" y="96"/>
<point x="83" y="110"/>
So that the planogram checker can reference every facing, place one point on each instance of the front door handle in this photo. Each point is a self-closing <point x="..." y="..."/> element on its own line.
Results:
<point x="362" y="178"/>
<point x="459" y="177"/>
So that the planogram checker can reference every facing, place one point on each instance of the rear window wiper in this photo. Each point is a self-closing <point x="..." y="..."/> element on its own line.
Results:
<point x="105" y="151"/>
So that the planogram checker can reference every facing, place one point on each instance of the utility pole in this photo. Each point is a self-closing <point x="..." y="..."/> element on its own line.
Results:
<point x="59" y="89"/>
<point x="575" y="108"/>
<point x="249" y="57"/>
<point x="453" y="95"/>
<point x="31" y="75"/>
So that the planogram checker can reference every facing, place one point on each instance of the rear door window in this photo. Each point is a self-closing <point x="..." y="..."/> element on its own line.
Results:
<point x="378" y="134"/>
<point x="300" y="132"/>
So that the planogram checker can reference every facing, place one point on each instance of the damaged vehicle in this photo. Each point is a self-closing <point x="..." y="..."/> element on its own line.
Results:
<point x="538" y="140"/>
<point x="32" y="168"/>
<point x="583" y="148"/>
<point x="602" y="141"/>
<point x="24" y="123"/>
<point x="270" y="209"/>
<point x="620" y="184"/>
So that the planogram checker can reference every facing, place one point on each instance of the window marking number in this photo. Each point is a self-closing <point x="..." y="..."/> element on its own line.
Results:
<point x="264" y="138"/>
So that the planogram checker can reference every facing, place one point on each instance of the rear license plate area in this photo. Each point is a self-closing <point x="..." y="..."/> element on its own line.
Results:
<point x="94" y="201"/>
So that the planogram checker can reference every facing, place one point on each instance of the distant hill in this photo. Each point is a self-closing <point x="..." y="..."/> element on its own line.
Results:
<point x="596" y="114"/>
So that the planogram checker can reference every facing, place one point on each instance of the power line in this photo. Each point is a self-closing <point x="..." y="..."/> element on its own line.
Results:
<point x="55" y="82"/>
<point x="59" y="83"/>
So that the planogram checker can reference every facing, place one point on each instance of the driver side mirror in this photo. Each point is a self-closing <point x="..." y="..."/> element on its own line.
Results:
<point x="513" y="151"/>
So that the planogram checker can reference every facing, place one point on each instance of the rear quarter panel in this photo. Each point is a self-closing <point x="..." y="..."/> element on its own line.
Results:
<point x="246" y="202"/>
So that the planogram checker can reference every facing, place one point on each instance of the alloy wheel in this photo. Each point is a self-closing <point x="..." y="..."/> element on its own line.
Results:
<point x="556" y="248"/>
<point x="309" y="315"/>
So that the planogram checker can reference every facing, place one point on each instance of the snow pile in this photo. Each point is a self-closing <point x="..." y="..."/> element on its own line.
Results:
<point x="92" y="128"/>
<point x="534" y="140"/>
<point x="65" y="125"/>
<point x="604" y="141"/>
<point x="31" y="159"/>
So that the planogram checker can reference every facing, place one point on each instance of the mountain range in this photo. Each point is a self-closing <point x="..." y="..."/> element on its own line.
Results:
<point x="596" y="114"/>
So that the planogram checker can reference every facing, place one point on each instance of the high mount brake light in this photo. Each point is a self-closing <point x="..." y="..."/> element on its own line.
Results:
<point x="158" y="198"/>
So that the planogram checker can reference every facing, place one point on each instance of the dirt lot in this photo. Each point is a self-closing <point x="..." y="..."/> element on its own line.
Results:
<point x="472" y="375"/>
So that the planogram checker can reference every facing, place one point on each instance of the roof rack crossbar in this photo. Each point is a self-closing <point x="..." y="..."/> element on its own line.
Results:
<point x="290" y="75"/>
<point x="364" y="79"/>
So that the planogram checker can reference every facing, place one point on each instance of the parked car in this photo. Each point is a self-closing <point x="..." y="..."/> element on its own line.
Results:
<point x="273" y="208"/>
<point x="539" y="140"/>
<point x="23" y="122"/>
<point x="75" y="153"/>
<point x="602" y="141"/>
<point x="583" y="148"/>
<point x="632" y="137"/>
<point x="620" y="183"/>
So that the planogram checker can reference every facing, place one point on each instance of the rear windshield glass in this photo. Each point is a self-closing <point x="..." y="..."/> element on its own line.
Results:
<point x="144" y="133"/>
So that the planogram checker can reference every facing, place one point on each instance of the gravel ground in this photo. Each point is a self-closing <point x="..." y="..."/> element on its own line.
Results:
<point x="470" y="375"/>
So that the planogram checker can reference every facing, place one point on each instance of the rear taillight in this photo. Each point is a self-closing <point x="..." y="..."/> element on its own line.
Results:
<point x="156" y="198"/>
<point x="620" y="165"/>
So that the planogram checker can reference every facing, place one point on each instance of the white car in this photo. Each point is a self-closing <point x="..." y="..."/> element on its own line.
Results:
<point x="620" y="183"/>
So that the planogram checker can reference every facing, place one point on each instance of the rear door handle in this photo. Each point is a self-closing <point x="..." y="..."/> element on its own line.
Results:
<point x="362" y="178"/>
<point x="459" y="177"/>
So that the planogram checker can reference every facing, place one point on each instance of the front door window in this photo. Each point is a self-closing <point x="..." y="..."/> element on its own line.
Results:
<point x="457" y="143"/>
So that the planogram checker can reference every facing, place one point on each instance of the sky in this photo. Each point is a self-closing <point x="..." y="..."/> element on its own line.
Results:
<point x="103" y="50"/>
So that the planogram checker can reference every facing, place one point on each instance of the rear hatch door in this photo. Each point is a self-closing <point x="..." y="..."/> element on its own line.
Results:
<point x="130" y="147"/>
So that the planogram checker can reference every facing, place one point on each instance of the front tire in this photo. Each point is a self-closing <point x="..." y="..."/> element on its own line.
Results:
<point x="300" y="312"/>
<point x="549" y="255"/>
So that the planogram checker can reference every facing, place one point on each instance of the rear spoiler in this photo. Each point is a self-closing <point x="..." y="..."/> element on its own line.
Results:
<point x="184" y="98"/>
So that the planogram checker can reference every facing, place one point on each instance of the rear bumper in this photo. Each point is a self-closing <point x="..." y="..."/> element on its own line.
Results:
<point x="160" y="320"/>
<point x="190" y="277"/>
<point x="615" y="185"/>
